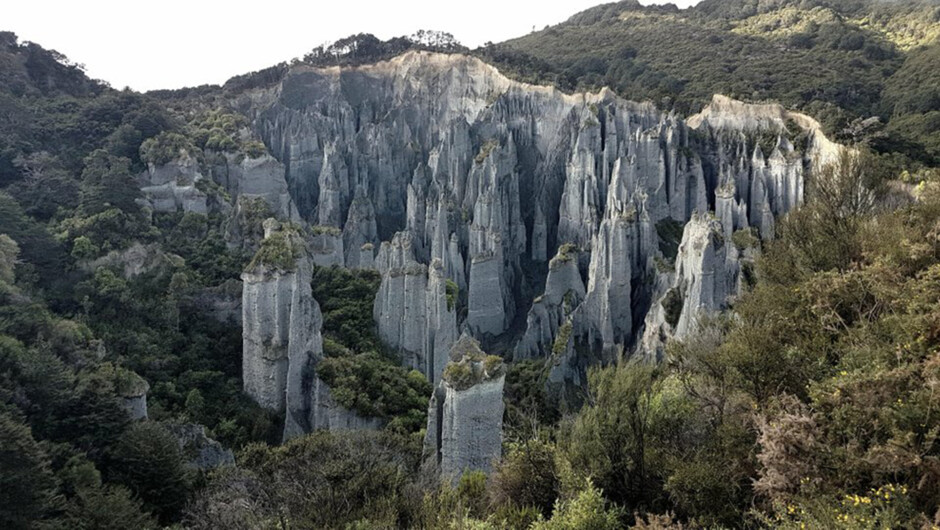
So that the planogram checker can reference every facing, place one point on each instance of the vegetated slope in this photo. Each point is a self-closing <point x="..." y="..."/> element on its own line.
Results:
<point x="834" y="60"/>
<point x="72" y="331"/>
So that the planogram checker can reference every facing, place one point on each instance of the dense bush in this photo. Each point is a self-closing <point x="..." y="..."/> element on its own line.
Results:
<point x="362" y="376"/>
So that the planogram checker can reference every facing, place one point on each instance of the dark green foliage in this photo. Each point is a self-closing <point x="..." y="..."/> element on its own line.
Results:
<point x="218" y="131"/>
<point x="527" y="477"/>
<point x="459" y="375"/>
<point x="609" y="440"/>
<point x="40" y="253"/>
<point x="672" y="305"/>
<point x="372" y="385"/>
<point x="147" y="460"/>
<point x="324" y="480"/>
<point x="107" y="508"/>
<point x="362" y="376"/>
<point x="452" y="292"/>
<point x="526" y="399"/>
<point x="561" y="340"/>
<point x="366" y="48"/>
<point x="670" y="236"/>
<point x="46" y="187"/>
<point x="346" y="298"/>
<point x="27" y="486"/>
<point x="165" y="147"/>
<point x="106" y="184"/>
<point x="745" y="239"/>
<point x="200" y="240"/>
<point x="279" y="251"/>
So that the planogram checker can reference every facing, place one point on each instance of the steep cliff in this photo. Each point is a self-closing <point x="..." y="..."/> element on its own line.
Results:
<point x="469" y="182"/>
<point x="412" y="309"/>
<point x="465" y="416"/>
<point x="281" y="337"/>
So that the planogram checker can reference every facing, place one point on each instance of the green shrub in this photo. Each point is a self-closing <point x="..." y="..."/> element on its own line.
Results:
<point x="561" y="340"/>
<point x="362" y="376"/>
<point x="452" y="291"/>
<point x="459" y="375"/>
<point x="165" y="147"/>
<point x="588" y="510"/>
<point x="745" y="239"/>
<point x="670" y="236"/>
<point x="279" y="251"/>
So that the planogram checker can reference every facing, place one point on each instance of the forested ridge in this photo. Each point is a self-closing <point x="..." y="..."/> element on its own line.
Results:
<point x="813" y="403"/>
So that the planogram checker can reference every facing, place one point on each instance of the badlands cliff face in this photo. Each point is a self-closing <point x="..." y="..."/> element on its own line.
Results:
<point x="465" y="415"/>
<point x="282" y="343"/>
<point x="511" y="212"/>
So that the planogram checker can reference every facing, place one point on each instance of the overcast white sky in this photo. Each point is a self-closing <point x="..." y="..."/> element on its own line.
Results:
<point x="176" y="43"/>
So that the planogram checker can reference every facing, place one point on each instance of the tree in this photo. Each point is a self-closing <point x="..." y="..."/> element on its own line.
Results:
<point x="608" y="440"/>
<point x="9" y="252"/>
<point x="27" y="486"/>
<point x="587" y="511"/>
<point x="147" y="460"/>
<point x="107" y="183"/>
<point x="526" y="477"/>
<point x="46" y="186"/>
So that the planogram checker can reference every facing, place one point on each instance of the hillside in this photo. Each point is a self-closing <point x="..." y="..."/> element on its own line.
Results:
<point x="840" y="61"/>
<point x="646" y="268"/>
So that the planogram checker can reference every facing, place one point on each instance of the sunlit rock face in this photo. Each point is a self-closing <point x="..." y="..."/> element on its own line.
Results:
<point x="459" y="186"/>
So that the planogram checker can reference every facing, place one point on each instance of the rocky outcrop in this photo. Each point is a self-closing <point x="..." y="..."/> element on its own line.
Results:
<point x="198" y="450"/>
<point x="134" y="260"/>
<point x="413" y="311"/>
<point x="474" y="179"/>
<point x="282" y="343"/>
<point x="132" y="390"/>
<point x="465" y="416"/>
<point x="706" y="280"/>
<point x="564" y="291"/>
<point x="260" y="177"/>
<point x="326" y="246"/>
<point x="172" y="187"/>
<point x="135" y="405"/>
<point x="222" y="302"/>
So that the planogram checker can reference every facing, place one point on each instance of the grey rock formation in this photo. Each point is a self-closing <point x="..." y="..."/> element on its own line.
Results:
<point x="360" y="230"/>
<point x="326" y="246"/>
<point x="136" y="406"/>
<point x="262" y="177"/>
<point x="199" y="451"/>
<point x="282" y="342"/>
<point x="412" y="309"/>
<point x="564" y="291"/>
<point x="465" y="416"/>
<point x="172" y="186"/>
<point x="706" y="281"/>
<point x="132" y="390"/>
<point x="135" y="260"/>
<point x="475" y="179"/>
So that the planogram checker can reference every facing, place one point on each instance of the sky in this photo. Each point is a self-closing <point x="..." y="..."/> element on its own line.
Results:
<point x="176" y="43"/>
